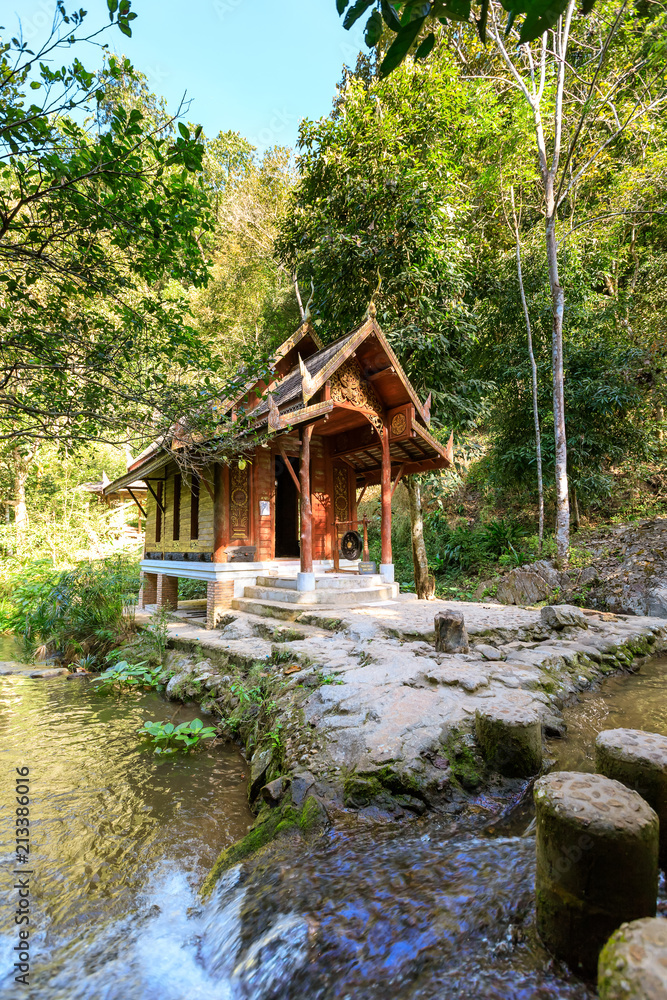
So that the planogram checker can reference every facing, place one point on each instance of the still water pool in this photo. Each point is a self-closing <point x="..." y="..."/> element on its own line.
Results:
<point x="122" y="839"/>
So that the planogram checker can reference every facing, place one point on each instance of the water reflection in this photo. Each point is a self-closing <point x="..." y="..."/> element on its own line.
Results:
<point x="107" y="816"/>
<point x="625" y="701"/>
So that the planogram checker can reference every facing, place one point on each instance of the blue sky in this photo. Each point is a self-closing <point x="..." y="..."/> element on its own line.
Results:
<point x="256" y="66"/>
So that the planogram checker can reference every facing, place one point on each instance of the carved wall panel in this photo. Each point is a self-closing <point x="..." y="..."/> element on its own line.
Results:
<point x="239" y="502"/>
<point x="341" y="494"/>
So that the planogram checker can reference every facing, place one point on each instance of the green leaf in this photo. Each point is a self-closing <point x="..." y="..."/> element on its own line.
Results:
<point x="355" y="12"/>
<point x="196" y="725"/>
<point x="413" y="10"/>
<point x="341" y="5"/>
<point x="541" y="15"/>
<point x="125" y="28"/>
<point x="391" y="18"/>
<point x="184" y="130"/>
<point x="425" y="46"/>
<point x="401" y="45"/>
<point x="168" y="728"/>
<point x="373" y="29"/>
<point x="457" y="10"/>
<point x="112" y="5"/>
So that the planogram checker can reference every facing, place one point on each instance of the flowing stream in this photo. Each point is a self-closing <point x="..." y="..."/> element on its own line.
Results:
<point x="121" y="839"/>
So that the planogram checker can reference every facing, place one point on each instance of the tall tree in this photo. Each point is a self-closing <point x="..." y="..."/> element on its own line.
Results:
<point x="101" y="204"/>
<point x="595" y="73"/>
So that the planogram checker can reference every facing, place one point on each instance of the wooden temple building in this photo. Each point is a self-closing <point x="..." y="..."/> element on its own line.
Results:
<point x="332" y="421"/>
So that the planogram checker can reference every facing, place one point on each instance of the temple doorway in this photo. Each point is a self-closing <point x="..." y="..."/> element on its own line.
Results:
<point x="287" y="510"/>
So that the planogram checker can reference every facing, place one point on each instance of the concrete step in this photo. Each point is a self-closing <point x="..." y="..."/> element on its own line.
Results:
<point x="329" y="581"/>
<point x="285" y="610"/>
<point x="284" y="582"/>
<point x="268" y="609"/>
<point x="361" y="595"/>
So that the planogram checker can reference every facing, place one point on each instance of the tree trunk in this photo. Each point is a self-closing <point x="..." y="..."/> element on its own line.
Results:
<point x="302" y="312"/>
<point x="558" y="307"/>
<point x="533" y="369"/>
<point x="21" y="469"/>
<point x="575" y="509"/>
<point x="423" y="583"/>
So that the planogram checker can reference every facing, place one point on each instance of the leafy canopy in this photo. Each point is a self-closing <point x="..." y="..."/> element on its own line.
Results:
<point x="416" y="21"/>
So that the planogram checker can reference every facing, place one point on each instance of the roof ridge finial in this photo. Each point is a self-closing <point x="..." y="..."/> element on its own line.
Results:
<point x="308" y="386"/>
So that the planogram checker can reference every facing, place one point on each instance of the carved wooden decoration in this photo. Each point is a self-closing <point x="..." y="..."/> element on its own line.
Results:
<point x="400" y="422"/>
<point x="239" y="502"/>
<point x="341" y="494"/>
<point x="349" y="386"/>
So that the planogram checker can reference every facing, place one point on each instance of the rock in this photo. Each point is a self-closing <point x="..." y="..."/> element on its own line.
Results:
<point x="302" y="782"/>
<point x="639" y="760"/>
<point x="563" y="616"/>
<point x="510" y="735"/>
<point x="49" y="672"/>
<point x="551" y="576"/>
<point x="174" y="683"/>
<point x="597" y="863"/>
<point x="554" y="727"/>
<point x="633" y="963"/>
<point x="273" y="792"/>
<point x="451" y="635"/>
<point x="270" y="963"/>
<point x="259" y="765"/>
<point x="522" y="587"/>
<point x="482" y="588"/>
<point x="488" y="652"/>
<point x="587" y="576"/>
<point x="657" y="602"/>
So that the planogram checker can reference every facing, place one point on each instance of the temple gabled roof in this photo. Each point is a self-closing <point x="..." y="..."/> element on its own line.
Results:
<point x="349" y="388"/>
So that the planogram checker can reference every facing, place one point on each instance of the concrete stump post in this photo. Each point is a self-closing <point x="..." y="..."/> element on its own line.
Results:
<point x="633" y="963"/>
<point x="510" y="737"/>
<point x="597" y="863"/>
<point x="451" y="634"/>
<point x="638" y="760"/>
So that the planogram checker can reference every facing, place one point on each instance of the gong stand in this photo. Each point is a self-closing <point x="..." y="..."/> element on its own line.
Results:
<point x="336" y="551"/>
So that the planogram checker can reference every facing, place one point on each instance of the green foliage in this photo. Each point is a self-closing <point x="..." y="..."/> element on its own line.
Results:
<point x="63" y="521"/>
<point x="169" y="738"/>
<point x="190" y="590"/>
<point x="123" y="675"/>
<point x="82" y="612"/>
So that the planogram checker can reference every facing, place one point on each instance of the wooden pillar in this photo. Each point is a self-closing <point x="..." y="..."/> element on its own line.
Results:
<point x="306" y="579"/>
<point x="386" y="563"/>
<point x="219" y="514"/>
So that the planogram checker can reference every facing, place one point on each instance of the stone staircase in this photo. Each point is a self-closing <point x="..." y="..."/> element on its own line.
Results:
<point x="277" y="596"/>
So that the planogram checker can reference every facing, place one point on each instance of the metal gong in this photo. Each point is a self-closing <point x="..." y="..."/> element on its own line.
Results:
<point x="351" y="545"/>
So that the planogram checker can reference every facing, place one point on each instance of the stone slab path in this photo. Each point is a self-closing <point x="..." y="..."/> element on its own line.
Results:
<point x="380" y="693"/>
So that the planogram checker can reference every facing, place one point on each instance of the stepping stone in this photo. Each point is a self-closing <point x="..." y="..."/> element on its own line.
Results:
<point x="510" y="736"/>
<point x="597" y="863"/>
<point x="633" y="963"/>
<point x="639" y="760"/>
